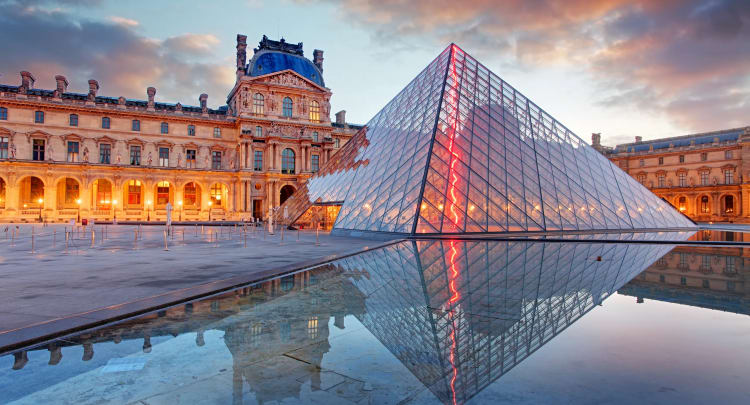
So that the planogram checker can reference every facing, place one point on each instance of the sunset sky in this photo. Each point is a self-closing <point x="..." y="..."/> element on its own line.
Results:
<point x="622" y="68"/>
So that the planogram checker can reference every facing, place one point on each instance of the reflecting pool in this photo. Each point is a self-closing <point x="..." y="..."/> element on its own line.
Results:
<point x="438" y="321"/>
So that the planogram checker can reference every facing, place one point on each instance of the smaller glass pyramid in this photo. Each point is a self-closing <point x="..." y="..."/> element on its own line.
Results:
<point x="460" y="151"/>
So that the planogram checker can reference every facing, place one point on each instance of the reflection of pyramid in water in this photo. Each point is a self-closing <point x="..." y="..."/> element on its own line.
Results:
<point x="460" y="151"/>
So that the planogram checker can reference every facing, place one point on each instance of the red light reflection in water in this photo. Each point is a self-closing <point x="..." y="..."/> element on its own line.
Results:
<point x="455" y="296"/>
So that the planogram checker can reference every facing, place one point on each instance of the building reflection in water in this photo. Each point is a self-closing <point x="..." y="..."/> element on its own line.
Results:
<point x="713" y="277"/>
<point x="457" y="314"/>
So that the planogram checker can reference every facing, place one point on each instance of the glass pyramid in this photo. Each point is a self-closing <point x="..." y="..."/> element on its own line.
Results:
<point x="458" y="150"/>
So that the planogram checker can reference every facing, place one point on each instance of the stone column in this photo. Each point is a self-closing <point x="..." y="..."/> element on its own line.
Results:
<point x="11" y="197"/>
<point x="205" y="197"/>
<point x="269" y="196"/>
<point x="242" y="160"/>
<point x="309" y="158"/>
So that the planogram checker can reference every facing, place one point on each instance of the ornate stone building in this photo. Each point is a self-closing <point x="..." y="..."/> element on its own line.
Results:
<point x="706" y="176"/>
<point x="65" y="154"/>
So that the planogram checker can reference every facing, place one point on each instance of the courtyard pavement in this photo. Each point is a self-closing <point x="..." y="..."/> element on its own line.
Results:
<point x="58" y="288"/>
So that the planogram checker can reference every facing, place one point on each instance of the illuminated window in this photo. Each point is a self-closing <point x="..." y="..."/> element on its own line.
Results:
<point x="258" y="161"/>
<point x="729" y="204"/>
<point x="73" y="120"/>
<point x="287" y="161"/>
<point x="105" y="153"/>
<point x="135" y="155"/>
<point x="705" y="209"/>
<point x="191" y="130"/>
<point x="105" y="122"/>
<point x="682" y="204"/>
<point x="217" y="191"/>
<point x="190" y="158"/>
<point x="72" y="151"/>
<point x="103" y="193"/>
<point x="162" y="193"/>
<point x="71" y="191"/>
<point x="3" y="114"/>
<point x="315" y="163"/>
<point x="164" y="157"/>
<point x="312" y="327"/>
<point x="314" y="111"/>
<point x="287" y="108"/>
<point x="190" y="194"/>
<point x="134" y="192"/>
<point x="258" y="103"/>
<point x="135" y="125"/>
<point x="164" y="128"/>
<point x="39" y="117"/>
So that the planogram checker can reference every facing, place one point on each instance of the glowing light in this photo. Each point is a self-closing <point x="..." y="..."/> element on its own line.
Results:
<point x="114" y="201"/>
<point x="471" y="208"/>
<point x="440" y="207"/>
<point x="78" y="201"/>
<point x="424" y="205"/>
<point x="179" y="202"/>
<point x="40" y="201"/>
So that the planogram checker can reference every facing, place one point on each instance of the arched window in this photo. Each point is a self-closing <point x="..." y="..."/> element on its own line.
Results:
<point x="162" y="193"/>
<point x="288" y="107"/>
<point x="314" y="111"/>
<point x="705" y="209"/>
<point x="258" y="103"/>
<point x="682" y="204"/>
<point x="729" y="204"/>
<point x="287" y="161"/>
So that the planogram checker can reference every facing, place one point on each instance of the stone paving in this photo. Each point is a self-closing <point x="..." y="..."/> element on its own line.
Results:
<point x="54" y="282"/>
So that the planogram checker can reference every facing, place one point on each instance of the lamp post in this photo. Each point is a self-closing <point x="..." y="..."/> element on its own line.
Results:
<point x="78" y="201"/>
<point x="179" y="204"/>
<point x="40" y="201"/>
<point x="148" y="211"/>
<point x="114" y="211"/>
<point x="210" y="203"/>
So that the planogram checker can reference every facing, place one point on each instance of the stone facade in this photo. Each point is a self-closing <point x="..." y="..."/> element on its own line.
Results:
<point x="706" y="176"/>
<point x="65" y="155"/>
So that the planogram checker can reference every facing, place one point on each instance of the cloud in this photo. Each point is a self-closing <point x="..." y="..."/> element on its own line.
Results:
<point x="124" y="21"/>
<point x="49" y="41"/>
<point x="687" y="59"/>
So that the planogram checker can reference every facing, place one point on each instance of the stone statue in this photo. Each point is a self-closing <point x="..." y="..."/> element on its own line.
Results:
<point x="119" y="158"/>
<point x="49" y="153"/>
<point x="13" y="151"/>
<point x="149" y="159"/>
<point x="179" y="159"/>
<point x="86" y="154"/>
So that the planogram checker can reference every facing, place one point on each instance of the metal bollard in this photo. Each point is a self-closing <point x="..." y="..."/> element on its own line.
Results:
<point x="67" y="236"/>
<point x="317" y="230"/>
<point x="93" y="237"/>
<point x="32" y="239"/>
<point x="244" y="238"/>
<point x="282" y="233"/>
<point x="166" y="247"/>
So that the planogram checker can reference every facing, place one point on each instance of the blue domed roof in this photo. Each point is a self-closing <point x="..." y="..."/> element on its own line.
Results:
<point x="267" y="61"/>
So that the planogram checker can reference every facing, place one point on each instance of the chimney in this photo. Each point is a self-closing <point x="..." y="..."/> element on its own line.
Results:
<point x="27" y="81"/>
<point x="341" y="117"/>
<point x="241" y="54"/>
<point x="318" y="59"/>
<point x="638" y="139"/>
<point x="93" y="88"/>
<point x="62" y="85"/>
<point x="596" y="139"/>
<point x="203" y="99"/>
<point x="151" y="91"/>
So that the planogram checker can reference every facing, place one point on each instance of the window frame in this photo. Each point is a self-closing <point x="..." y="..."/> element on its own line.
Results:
<point x="258" y="131"/>
<point x="105" y="158"/>
<point x="39" y="117"/>
<point x="38" y="154"/>
<point x="70" y="155"/>
<point x="190" y="160"/>
<point x="191" y="130"/>
<point x="216" y="159"/>
<point x="259" y="103"/>
<point x="314" y="111"/>
<point x="135" y="158"/>
<point x="3" y="114"/>
<point x="163" y="160"/>
<point x="315" y="162"/>
<point x="258" y="161"/>
<point x="106" y="123"/>
<point x="217" y="132"/>
<point x="73" y="120"/>
<point x="287" y="107"/>
<point x="4" y="147"/>
<point x="288" y="163"/>
<point x="164" y="128"/>
<point x="135" y="125"/>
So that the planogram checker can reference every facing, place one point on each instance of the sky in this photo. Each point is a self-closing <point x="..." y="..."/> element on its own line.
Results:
<point x="622" y="68"/>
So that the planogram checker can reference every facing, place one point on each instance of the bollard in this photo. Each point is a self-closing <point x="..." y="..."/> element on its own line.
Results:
<point x="244" y="238"/>
<point x="317" y="230"/>
<point x="196" y="229"/>
<point x="165" y="240"/>
<point x="183" y="234"/>
<point x="282" y="233"/>
<point x="54" y="237"/>
<point x="93" y="238"/>
<point x="67" y="236"/>
<point x="32" y="239"/>
<point x="171" y="231"/>
<point x="13" y="237"/>
<point x="135" y="238"/>
<point x="140" y="232"/>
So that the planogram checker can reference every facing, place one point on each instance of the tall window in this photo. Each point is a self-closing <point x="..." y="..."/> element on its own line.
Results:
<point x="190" y="158"/>
<point x="39" y="117"/>
<point x="287" y="110"/>
<point x="661" y="160"/>
<point x="682" y="204"/>
<point x="729" y="204"/>
<point x="315" y="163"/>
<point x="704" y="156"/>
<point x="134" y="192"/>
<point x="662" y="180"/>
<point x="164" y="157"/>
<point x="217" y="132"/>
<point x="337" y="142"/>
<point x="258" y="161"/>
<point x="642" y="179"/>
<point x="315" y="136"/>
<point x="103" y="194"/>
<point x="705" y="209"/>
<point x="190" y="194"/>
<point x="641" y="163"/>
<point x="287" y="161"/>
<point x="135" y="125"/>
<point x="704" y="178"/>
<point x="72" y="191"/>
<point x="682" y="177"/>
<point x="37" y="152"/>
<point x="314" y="111"/>
<point x="3" y="114"/>
<point x="191" y="130"/>
<point x="72" y="151"/>
<point x="135" y="155"/>
<point x="258" y="103"/>
<point x="682" y="158"/>
<point x="728" y="176"/>
<point x="105" y="153"/>
<point x="162" y="193"/>
<point x="73" y="120"/>
<point x="216" y="193"/>
<point x="105" y="122"/>
<point x="4" y="146"/>
<point x="216" y="160"/>
<point x="728" y="154"/>
<point x="164" y="128"/>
